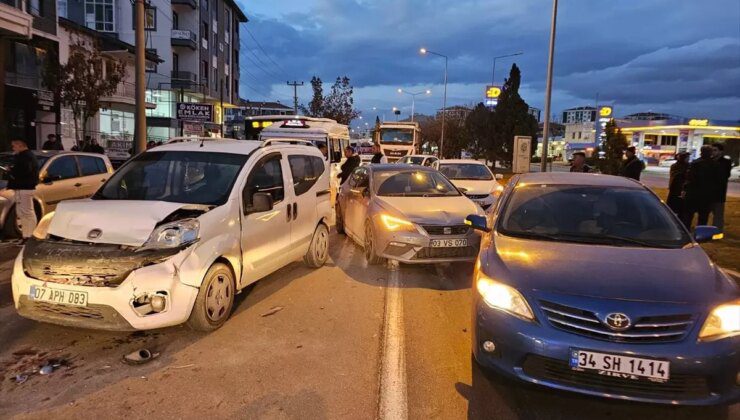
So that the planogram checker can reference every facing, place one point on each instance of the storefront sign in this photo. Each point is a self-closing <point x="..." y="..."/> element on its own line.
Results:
<point x="522" y="154"/>
<point x="604" y="116"/>
<point x="192" y="129"/>
<point x="683" y="140"/>
<point x="192" y="111"/>
<point x="492" y="94"/>
<point x="698" y="123"/>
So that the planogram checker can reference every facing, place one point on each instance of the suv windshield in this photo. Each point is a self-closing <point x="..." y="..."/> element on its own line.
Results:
<point x="396" y="136"/>
<point x="175" y="176"/>
<point x="591" y="214"/>
<point x="463" y="171"/>
<point x="412" y="184"/>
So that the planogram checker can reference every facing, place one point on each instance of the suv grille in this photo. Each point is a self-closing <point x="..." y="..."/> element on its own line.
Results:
<point x="651" y="329"/>
<point x="459" y="252"/>
<point x="679" y="386"/>
<point x="454" y="230"/>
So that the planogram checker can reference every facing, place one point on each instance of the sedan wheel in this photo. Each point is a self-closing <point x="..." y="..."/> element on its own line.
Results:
<point x="370" y="252"/>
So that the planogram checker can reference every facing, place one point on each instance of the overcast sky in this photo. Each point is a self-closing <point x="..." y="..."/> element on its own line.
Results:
<point x="675" y="56"/>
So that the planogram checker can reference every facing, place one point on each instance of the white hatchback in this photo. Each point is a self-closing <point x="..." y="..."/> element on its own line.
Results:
<point x="174" y="234"/>
<point x="473" y="178"/>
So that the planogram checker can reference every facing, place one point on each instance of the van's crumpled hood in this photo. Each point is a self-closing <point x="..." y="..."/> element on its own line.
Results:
<point x="431" y="210"/>
<point x="120" y="221"/>
<point x="473" y="187"/>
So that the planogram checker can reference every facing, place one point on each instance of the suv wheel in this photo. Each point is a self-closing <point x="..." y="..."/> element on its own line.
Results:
<point x="318" y="252"/>
<point x="215" y="299"/>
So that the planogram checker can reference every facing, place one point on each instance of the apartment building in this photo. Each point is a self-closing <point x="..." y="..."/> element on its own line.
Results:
<point x="581" y="114"/>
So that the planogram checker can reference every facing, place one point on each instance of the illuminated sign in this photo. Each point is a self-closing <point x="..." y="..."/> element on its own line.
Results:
<point x="294" y="124"/>
<point x="604" y="116"/>
<point x="605" y="111"/>
<point x="698" y="123"/>
<point x="493" y="92"/>
<point x="193" y="111"/>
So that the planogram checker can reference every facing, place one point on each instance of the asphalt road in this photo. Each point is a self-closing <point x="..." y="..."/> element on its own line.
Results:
<point x="341" y="345"/>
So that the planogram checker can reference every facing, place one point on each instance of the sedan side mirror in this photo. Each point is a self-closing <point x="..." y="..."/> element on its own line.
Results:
<point x="477" y="222"/>
<point x="261" y="202"/>
<point x="707" y="233"/>
<point x="50" y="179"/>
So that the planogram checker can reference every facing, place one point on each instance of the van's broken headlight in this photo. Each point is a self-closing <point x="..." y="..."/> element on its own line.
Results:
<point x="173" y="235"/>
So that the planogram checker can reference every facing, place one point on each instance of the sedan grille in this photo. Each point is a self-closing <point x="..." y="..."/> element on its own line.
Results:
<point x="458" y="252"/>
<point x="558" y="371"/>
<point x="648" y="329"/>
<point x="447" y="230"/>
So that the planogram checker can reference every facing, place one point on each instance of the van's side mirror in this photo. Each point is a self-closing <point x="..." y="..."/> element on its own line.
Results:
<point x="477" y="222"/>
<point x="499" y="176"/>
<point x="707" y="233"/>
<point x="261" y="202"/>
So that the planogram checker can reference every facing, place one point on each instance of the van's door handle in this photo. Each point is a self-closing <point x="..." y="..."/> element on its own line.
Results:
<point x="295" y="211"/>
<point x="290" y="212"/>
<point x="78" y="185"/>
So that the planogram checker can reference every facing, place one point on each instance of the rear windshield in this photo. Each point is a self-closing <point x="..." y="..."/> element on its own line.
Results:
<point x="591" y="214"/>
<point x="175" y="176"/>
<point x="465" y="171"/>
<point x="412" y="184"/>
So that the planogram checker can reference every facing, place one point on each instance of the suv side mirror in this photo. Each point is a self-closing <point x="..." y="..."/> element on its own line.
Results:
<point x="707" y="233"/>
<point x="477" y="222"/>
<point x="261" y="202"/>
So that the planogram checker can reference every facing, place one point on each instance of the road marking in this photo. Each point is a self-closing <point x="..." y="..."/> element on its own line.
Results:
<point x="393" y="404"/>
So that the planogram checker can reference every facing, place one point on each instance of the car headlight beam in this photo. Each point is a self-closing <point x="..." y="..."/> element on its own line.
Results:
<point x="723" y="321"/>
<point x="395" y="224"/>
<point x="502" y="297"/>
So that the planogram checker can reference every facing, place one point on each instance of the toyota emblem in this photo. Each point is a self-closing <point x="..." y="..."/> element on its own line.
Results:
<point x="94" y="234"/>
<point x="618" y="321"/>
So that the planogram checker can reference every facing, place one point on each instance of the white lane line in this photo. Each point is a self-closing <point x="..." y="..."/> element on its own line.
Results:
<point x="393" y="404"/>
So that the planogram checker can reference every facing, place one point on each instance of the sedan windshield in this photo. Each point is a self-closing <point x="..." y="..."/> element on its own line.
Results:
<point x="176" y="176"/>
<point x="396" y="136"/>
<point x="412" y="184"/>
<point x="591" y="214"/>
<point x="465" y="171"/>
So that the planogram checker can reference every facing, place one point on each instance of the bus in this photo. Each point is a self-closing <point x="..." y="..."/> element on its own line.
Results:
<point x="398" y="139"/>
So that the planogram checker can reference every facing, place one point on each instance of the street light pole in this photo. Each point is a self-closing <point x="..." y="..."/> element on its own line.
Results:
<point x="444" y="101"/>
<point x="548" y="88"/>
<point x="413" y="99"/>
<point x="493" y="72"/>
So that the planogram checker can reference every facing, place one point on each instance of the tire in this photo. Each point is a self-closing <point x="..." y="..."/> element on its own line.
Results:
<point x="371" y="254"/>
<point x="318" y="251"/>
<point x="10" y="228"/>
<point x="339" y="223"/>
<point x="215" y="299"/>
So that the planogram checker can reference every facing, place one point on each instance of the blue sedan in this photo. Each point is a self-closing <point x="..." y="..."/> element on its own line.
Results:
<point x="589" y="283"/>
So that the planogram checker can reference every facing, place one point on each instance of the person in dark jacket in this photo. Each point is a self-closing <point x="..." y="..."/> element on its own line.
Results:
<point x="676" y="182"/>
<point x="725" y="169"/>
<point x="378" y="156"/>
<point x="701" y="187"/>
<point x="92" y="146"/>
<point x="352" y="162"/>
<point x="579" y="163"/>
<point x="22" y="179"/>
<point x="52" y="143"/>
<point x="632" y="166"/>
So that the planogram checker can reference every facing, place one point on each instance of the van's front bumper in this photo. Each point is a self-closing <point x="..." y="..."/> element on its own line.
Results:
<point x="115" y="307"/>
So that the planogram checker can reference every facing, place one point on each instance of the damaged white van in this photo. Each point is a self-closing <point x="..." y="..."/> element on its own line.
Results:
<point x="174" y="234"/>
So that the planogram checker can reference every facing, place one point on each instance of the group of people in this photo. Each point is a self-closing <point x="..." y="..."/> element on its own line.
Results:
<point x="700" y="187"/>
<point x="631" y="166"/>
<point x="353" y="160"/>
<point x="89" y="145"/>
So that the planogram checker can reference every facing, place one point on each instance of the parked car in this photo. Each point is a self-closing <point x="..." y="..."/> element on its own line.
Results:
<point x="406" y="213"/>
<point x="473" y="178"/>
<point x="591" y="284"/>
<point x="62" y="176"/>
<point x="174" y="234"/>
<point x="423" y="160"/>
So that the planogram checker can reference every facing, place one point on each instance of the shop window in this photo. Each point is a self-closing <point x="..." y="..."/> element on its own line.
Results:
<point x="668" y="140"/>
<point x="651" y="139"/>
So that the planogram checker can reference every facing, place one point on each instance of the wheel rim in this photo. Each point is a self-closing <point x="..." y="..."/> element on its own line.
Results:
<point x="218" y="297"/>
<point x="369" y="251"/>
<point x="322" y="244"/>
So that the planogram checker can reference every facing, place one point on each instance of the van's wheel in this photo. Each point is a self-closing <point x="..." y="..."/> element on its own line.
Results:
<point x="371" y="254"/>
<point x="215" y="299"/>
<point x="318" y="252"/>
<point x="339" y="223"/>
<point x="10" y="228"/>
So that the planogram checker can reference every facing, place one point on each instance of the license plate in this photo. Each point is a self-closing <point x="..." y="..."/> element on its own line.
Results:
<point x="59" y="296"/>
<point x="620" y="366"/>
<point x="449" y="243"/>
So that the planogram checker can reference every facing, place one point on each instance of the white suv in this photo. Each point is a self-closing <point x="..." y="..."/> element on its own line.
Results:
<point x="174" y="234"/>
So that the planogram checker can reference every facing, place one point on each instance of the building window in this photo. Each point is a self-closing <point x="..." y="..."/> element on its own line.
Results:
<point x="205" y="35"/>
<point x="34" y="7"/>
<point x="62" y="8"/>
<point x="204" y="72"/>
<point x="175" y="62"/>
<point x="227" y="26"/>
<point x="100" y="15"/>
<point x="651" y="139"/>
<point x="668" y="140"/>
<point x="151" y="66"/>
<point x="175" y="20"/>
<point x="150" y="18"/>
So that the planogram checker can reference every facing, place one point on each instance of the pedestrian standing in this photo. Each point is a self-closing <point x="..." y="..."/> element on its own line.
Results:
<point x="632" y="167"/>
<point x="52" y="143"/>
<point x="725" y="169"/>
<point x="23" y="178"/>
<point x="701" y="187"/>
<point x="676" y="182"/>
<point x="378" y="156"/>
<point x="352" y="162"/>
<point x="579" y="163"/>
<point x="92" y="146"/>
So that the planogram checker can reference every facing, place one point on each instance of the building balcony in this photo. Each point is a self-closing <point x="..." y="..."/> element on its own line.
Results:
<point x="192" y="3"/>
<point x="185" y="80"/>
<point x="14" y="20"/>
<point x="184" y="38"/>
<point x="125" y="94"/>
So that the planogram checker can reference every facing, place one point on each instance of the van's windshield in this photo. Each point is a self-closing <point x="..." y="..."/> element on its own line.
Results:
<point x="175" y="176"/>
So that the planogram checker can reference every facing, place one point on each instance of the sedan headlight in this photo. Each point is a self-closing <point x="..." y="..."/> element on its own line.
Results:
<point x="173" y="235"/>
<point x="394" y="224"/>
<point x="724" y="320"/>
<point x="42" y="228"/>
<point x="500" y="296"/>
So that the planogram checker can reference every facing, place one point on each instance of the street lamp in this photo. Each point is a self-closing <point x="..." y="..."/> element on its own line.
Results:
<point x="493" y="72"/>
<point x="413" y="98"/>
<point x="548" y="88"/>
<point x="425" y="51"/>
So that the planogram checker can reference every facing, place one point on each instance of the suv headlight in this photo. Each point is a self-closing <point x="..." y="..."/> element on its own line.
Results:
<point x="42" y="228"/>
<point x="395" y="224"/>
<point x="724" y="320"/>
<point x="502" y="297"/>
<point x="173" y="235"/>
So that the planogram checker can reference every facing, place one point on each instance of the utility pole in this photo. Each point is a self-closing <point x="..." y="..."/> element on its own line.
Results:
<point x="140" y="115"/>
<point x="548" y="88"/>
<point x="295" y="95"/>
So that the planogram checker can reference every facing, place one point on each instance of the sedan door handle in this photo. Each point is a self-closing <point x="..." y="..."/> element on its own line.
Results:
<point x="78" y="185"/>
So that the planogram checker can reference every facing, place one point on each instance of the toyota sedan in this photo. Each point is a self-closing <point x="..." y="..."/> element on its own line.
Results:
<point x="589" y="283"/>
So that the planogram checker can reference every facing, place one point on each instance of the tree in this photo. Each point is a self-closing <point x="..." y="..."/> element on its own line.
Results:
<point x="456" y="135"/>
<point x="316" y="106"/>
<point x="479" y="126"/>
<point x="87" y="77"/>
<point x="337" y="105"/>
<point x="613" y="149"/>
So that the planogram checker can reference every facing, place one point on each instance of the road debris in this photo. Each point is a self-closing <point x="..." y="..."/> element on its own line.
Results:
<point x="273" y="311"/>
<point x="183" y="366"/>
<point x="139" y="357"/>
<point x="19" y="379"/>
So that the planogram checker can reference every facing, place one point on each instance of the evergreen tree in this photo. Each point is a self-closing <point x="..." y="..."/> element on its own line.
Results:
<point x="479" y="126"/>
<point x="613" y="149"/>
<point x="316" y="106"/>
